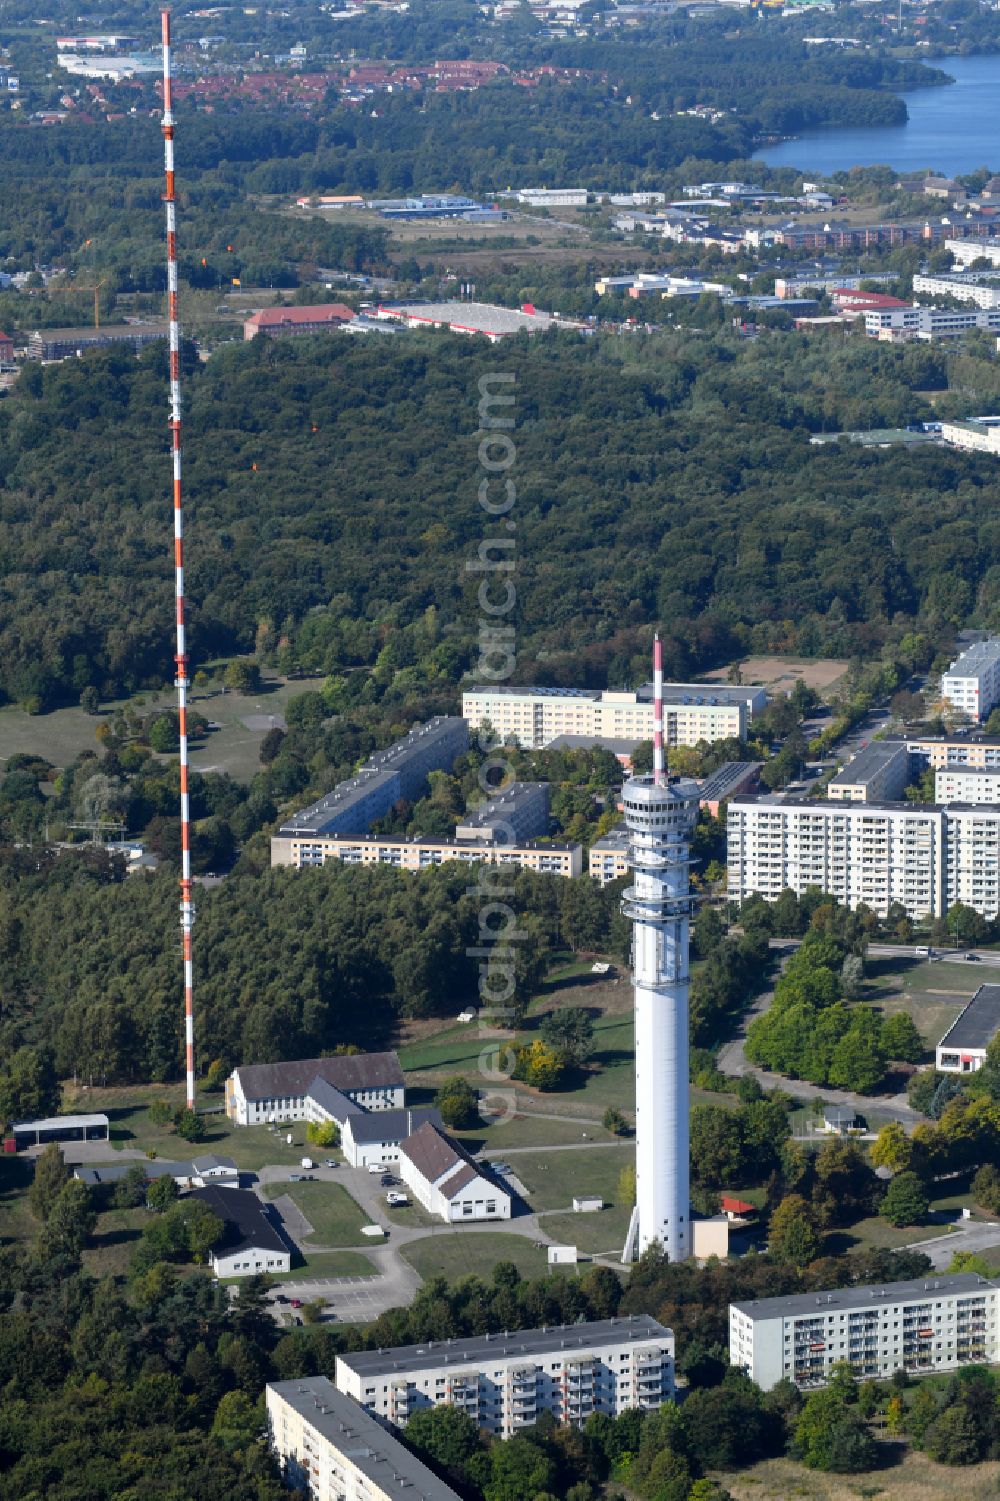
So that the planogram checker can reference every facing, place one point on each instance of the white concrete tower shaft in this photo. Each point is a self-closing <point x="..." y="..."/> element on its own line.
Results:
<point x="660" y="813"/>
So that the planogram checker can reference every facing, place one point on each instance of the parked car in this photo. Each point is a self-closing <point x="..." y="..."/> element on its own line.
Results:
<point x="972" y="958"/>
<point x="387" y="1180"/>
<point x="296" y="1302"/>
<point x="280" y="1298"/>
<point x="395" y="1199"/>
<point x="329" y="1162"/>
<point x="376" y="1167"/>
<point x="296" y="1177"/>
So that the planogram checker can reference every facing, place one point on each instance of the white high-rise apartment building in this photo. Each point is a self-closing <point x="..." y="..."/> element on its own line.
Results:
<point x="876" y="853"/>
<point x="967" y="784"/>
<point x="536" y="716"/>
<point x="924" y="856"/>
<point x="930" y="1324"/>
<point x="972" y="682"/>
<point x="505" y="1381"/>
<point x="332" y="1449"/>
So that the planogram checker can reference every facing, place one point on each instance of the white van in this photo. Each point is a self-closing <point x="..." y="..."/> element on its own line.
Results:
<point x="923" y="953"/>
<point x="376" y="1167"/>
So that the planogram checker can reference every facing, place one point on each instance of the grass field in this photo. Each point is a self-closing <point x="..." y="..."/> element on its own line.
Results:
<point x="553" y="1178"/>
<point x="61" y="735"/>
<point x="527" y="1131"/>
<point x="593" y="1234"/>
<point x="128" y="1111"/>
<point x="115" y="1237"/>
<point x="784" y="672"/>
<point x="931" y="994"/>
<point x="913" y="1478"/>
<point x="335" y="1217"/>
<point x="465" y="1255"/>
<point x="17" y="1223"/>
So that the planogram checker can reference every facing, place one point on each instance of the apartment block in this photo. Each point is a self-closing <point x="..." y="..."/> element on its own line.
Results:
<point x="898" y="324"/>
<point x="519" y="811"/>
<point x="963" y="1048"/>
<point x="922" y="855"/>
<point x="534" y="717"/>
<point x="923" y="1326"/>
<point x="955" y="783"/>
<point x="421" y="853"/>
<point x="505" y="1381"/>
<point x="972" y="682"/>
<point x="877" y="774"/>
<point x="333" y="1450"/>
<point x="937" y="751"/>
<point x="400" y="771"/>
<point x="608" y="857"/>
<point x="963" y="289"/>
<point x="972" y="859"/>
<point x="976" y="435"/>
<point x="875" y="853"/>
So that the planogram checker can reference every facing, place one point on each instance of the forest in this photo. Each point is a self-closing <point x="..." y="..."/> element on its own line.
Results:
<point x="331" y="501"/>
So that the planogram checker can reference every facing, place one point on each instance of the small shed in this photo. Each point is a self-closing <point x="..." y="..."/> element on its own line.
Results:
<point x="587" y="1204"/>
<point x="842" y="1120"/>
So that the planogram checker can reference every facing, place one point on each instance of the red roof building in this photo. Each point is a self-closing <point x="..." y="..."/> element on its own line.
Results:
<point x="851" y="299"/>
<point x="280" y="322"/>
<point x="735" y="1209"/>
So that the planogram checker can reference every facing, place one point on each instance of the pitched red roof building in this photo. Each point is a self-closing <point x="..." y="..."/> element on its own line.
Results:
<point x="279" y="322"/>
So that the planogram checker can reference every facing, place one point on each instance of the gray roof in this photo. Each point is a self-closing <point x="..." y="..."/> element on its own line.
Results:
<point x="247" y="1220"/>
<point x="976" y="659"/>
<point x="616" y="744"/>
<point x="108" y="333"/>
<point x="433" y="1153"/>
<point x="727" y="776"/>
<point x="842" y="1299"/>
<point x="870" y="762"/>
<point x="978" y="1024"/>
<point x="333" y="1101"/>
<point x="361" y="1438"/>
<point x="351" y="1071"/>
<point x="962" y="768"/>
<point x="205" y="1163"/>
<point x="113" y="1172"/>
<point x="390" y="1125"/>
<point x="529" y="1343"/>
<point x="613" y="842"/>
<point x="63" y="1122"/>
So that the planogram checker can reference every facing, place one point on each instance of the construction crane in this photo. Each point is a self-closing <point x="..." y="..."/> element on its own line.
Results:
<point x="74" y="290"/>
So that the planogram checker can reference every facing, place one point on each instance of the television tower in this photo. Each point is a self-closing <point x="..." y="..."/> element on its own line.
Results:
<point x="660" y="812"/>
<point x="180" y="656"/>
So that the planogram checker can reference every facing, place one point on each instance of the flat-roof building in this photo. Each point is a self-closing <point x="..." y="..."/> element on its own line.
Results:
<point x="922" y="855"/>
<point x="926" y="1325"/>
<point x="518" y="811"/>
<point x="876" y="774"/>
<point x="967" y="784"/>
<point x="25" y="1134"/>
<point x="622" y="749"/>
<point x="962" y="1049"/>
<point x="534" y="717"/>
<point x="937" y="751"/>
<point x="388" y="776"/>
<point x="728" y="780"/>
<point x="424" y="851"/>
<point x="329" y="1446"/>
<point x="608" y="858"/>
<point x="484" y="318"/>
<point x="67" y="343"/>
<point x="972" y="682"/>
<point x="505" y="1381"/>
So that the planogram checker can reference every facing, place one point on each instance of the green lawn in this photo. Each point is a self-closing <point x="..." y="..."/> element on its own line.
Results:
<point x="324" y="1264"/>
<point x="335" y="1217"/>
<point x="600" y="1234"/>
<point x="876" y="1233"/>
<point x="552" y="1179"/>
<point x="61" y="735"/>
<point x="528" y="1131"/>
<point x="932" y="994"/>
<point x="17" y="1223"/>
<point x="468" y="1254"/>
<point x="115" y="1237"/>
<point x="128" y="1110"/>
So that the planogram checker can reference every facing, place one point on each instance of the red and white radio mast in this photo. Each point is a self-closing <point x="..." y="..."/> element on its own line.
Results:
<point x="180" y="656"/>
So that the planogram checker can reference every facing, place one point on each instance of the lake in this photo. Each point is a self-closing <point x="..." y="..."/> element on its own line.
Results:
<point x="951" y="129"/>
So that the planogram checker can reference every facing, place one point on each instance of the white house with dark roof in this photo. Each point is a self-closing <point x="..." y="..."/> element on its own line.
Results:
<point x="258" y="1093"/>
<point x="445" y="1180"/>
<point x="252" y="1240"/>
<point x="368" y="1137"/>
<point x="963" y="1048"/>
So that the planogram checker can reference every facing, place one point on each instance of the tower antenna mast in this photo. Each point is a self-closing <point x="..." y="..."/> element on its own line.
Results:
<point x="180" y="656"/>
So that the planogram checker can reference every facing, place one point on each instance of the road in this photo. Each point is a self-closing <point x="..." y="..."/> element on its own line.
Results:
<point x="977" y="1237"/>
